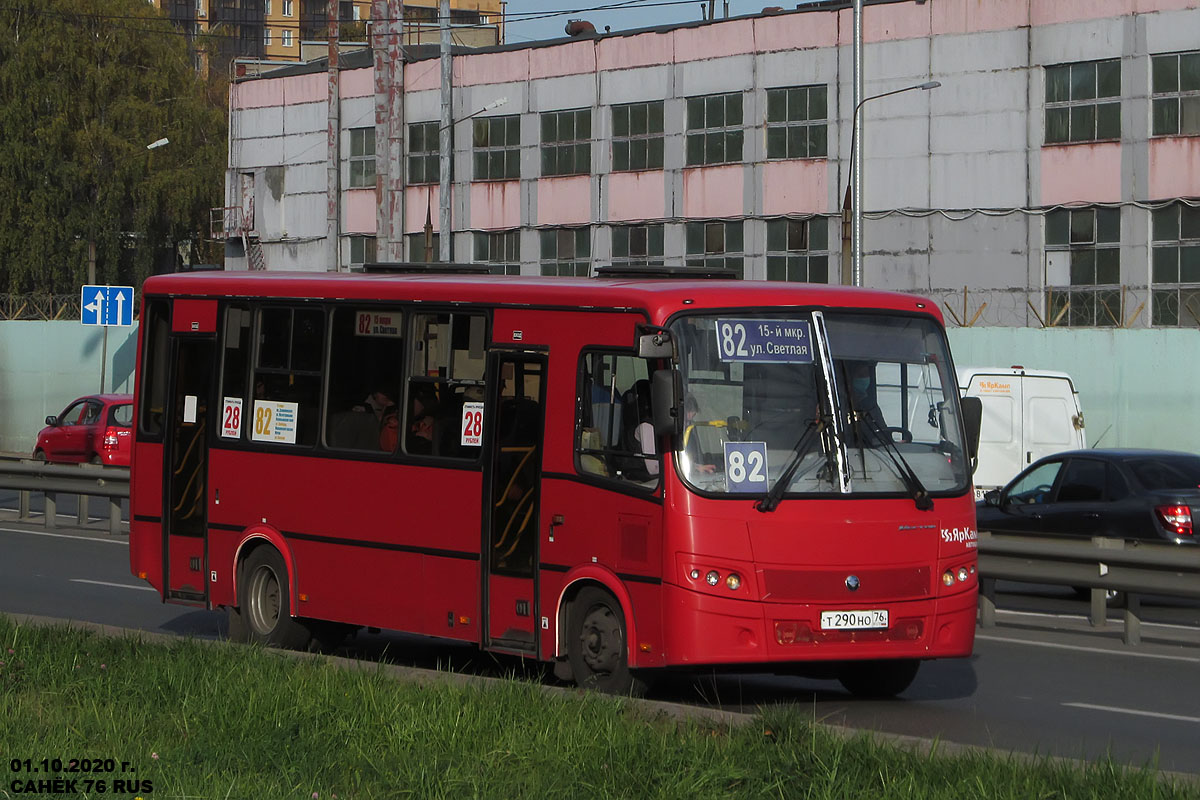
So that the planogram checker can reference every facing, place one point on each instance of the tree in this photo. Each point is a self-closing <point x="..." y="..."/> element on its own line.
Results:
<point x="85" y="85"/>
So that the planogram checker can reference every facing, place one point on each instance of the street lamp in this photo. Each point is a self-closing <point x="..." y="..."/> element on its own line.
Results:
<point x="852" y="206"/>
<point x="157" y="143"/>
<point x="446" y="155"/>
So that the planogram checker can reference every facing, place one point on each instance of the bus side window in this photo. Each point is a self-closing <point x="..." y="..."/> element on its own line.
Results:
<point x="613" y="440"/>
<point x="449" y="355"/>
<point x="366" y="354"/>
<point x="288" y="375"/>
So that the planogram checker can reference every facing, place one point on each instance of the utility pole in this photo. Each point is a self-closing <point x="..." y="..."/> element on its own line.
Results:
<point x="445" y="153"/>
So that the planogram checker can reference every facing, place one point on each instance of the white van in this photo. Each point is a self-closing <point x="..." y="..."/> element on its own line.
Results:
<point x="1027" y="414"/>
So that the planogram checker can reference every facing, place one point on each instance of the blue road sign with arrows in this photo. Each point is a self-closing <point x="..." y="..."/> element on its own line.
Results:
<point x="107" y="305"/>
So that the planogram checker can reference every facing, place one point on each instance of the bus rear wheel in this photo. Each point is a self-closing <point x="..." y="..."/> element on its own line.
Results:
<point x="265" y="616"/>
<point x="878" y="679"/>
<point x="597" y="646"/>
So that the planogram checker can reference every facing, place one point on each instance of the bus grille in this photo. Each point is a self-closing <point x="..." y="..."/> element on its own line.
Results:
<point x="826" y="585"/>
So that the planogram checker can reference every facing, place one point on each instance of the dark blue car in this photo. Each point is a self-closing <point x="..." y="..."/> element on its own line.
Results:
<point x="1147" y="495"/>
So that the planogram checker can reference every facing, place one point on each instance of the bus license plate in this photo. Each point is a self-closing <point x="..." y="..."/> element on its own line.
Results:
<point x="854" y="620"/>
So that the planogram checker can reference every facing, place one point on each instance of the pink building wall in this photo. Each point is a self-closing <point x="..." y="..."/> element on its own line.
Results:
<point x="636" y="195"/>
<point x="495" y="205"/>
<point x="713" y="191"/>
<point x="1174" y="167"/>
<point x="359" y="211"/>
<point x="1081" y="173"/>
<point x="564" y="201"/>
<point x="795" y="187"/>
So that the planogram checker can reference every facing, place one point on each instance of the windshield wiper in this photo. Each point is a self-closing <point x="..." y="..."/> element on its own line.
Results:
<point x="903" y="469"/>
<point x="770" y="501"/>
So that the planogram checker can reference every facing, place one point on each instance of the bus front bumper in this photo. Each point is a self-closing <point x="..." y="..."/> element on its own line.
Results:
<point x="702" y="629"/>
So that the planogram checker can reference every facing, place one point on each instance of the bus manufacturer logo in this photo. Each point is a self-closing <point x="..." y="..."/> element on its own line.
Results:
<point x="965" y="536"/>
<point x="852" y="583"/>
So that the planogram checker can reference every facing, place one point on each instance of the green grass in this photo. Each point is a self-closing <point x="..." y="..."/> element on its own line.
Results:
<point x="205" y="720"/>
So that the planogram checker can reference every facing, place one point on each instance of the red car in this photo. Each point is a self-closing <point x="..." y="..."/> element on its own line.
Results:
<point x="95" y="428"/>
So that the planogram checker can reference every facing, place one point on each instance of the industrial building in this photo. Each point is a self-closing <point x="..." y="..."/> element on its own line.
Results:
<point x="1050" y="178"/>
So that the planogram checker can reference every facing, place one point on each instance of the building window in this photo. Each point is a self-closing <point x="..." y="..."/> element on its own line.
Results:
<point x="797" y="250"/>
<point x="567" y="142"/>
<point x="715" y="245"/>
<point x="288" y="7"/>
<point x="566" y="251"/>
<point x="637" y="244"/>
<point x="420" y="250"/>
<point x="266" y="37"/>
<point x="423" y="152"/>
<point x="497" y="148"/>
<point x="501" y="249"/>
<point x="797" y="120"/>
<point x="714" y="129"/>
<point x="1176" y="266"/>
<point x="362" y="250"/>
<point x="266" y="7"/>
<point x="286" y="37"/>
<point x="1176" y="89"/>
<point x="1083" y="102"/>
<point x="362" y="158"/>
<point x="1083" y="251"/>
<point x="637" y="141"/>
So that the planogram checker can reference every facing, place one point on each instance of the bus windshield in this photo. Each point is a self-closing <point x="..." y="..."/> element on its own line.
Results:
<point x="813" y="402"/>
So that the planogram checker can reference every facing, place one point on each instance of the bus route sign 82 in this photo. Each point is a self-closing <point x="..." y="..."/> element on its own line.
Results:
<point x="765" y="341"/>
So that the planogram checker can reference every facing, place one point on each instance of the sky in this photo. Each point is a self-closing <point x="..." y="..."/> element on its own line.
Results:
<point x="530" y="20"/>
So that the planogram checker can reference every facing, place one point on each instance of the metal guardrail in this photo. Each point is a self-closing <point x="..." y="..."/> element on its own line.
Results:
<point x="85" y="480"/>
<point x="1100" y="564"/>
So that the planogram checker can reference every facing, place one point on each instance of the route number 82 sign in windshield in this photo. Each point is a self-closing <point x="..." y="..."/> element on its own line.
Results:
<point x="765" y="341"/>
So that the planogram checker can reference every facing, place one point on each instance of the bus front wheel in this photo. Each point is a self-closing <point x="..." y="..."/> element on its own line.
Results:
<point x="597" y="647"/>
<point x="878" y="678"/>
<point x="264" y="615"/>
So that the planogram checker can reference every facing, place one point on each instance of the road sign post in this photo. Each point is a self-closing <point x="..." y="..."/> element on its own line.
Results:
<point x="105" y="306"/>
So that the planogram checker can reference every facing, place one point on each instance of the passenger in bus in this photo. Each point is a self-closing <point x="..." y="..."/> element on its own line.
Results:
<point x="420" y="436"/>
<point x="868" y="427"/>
<point x="695" y="458"/>
<point x="643" y="434"/>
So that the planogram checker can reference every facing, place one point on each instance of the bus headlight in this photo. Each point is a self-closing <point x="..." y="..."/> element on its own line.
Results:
<point x="734" y="581"/>
<point x="713" y="577"/>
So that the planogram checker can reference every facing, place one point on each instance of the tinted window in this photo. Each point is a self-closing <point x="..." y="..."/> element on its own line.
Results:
<point x="1083" y="481"/>
<point x="1167" y="472"/>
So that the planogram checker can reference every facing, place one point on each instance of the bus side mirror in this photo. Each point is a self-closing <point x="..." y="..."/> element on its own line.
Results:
<point x="654" y="345"/>
<point x="972" y="410"/>
<point x="664" y="398"/>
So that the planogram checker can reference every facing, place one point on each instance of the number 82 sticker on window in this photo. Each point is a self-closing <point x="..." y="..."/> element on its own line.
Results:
<point x="746" y="467"/>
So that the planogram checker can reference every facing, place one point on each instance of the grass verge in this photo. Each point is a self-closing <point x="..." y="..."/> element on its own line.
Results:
<point x="190" y="719"/>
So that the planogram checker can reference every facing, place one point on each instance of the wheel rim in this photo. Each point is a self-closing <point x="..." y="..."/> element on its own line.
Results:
<point x="264" y="600"/>
<point x="601" y="642"/>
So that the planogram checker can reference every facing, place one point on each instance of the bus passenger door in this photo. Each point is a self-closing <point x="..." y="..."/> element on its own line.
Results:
<point x="185" y="486"/>
<point x="512" y="497"/>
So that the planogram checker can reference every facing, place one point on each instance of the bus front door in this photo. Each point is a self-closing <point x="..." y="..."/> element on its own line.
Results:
<point x="513" y="496"/>
<point x="186" y="479"/>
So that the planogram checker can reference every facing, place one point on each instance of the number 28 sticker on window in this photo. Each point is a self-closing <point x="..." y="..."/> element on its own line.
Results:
<point x="746" y="467"/>
<point x="765" y="341"/>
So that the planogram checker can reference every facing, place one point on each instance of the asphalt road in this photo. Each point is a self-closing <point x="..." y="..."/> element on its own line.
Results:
<point x="1040" y="682"/>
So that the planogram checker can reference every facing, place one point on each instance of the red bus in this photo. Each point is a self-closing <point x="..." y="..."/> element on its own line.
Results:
<point x="618" y="474"/>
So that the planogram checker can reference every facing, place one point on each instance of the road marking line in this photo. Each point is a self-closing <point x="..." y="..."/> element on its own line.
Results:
<point x="63" y="536"/>
<point x="1114" y="709"/>
<point x="1104" y="651"/>
<point x="117" y="585"/>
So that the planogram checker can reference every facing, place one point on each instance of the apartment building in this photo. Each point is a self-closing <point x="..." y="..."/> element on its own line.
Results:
<point x="1051" y="178"/>
<point x="297" y="30"/>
